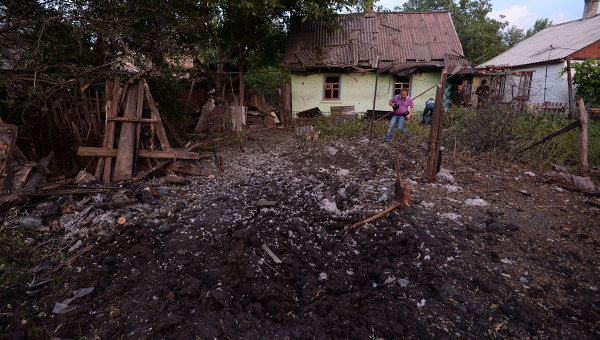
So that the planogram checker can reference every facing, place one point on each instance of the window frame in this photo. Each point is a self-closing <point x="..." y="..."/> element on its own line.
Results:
<point x="524" y="86"/>
<point x="408" y="84"/>
<point x="332" y="89"/>
<point x="498" y="87"/>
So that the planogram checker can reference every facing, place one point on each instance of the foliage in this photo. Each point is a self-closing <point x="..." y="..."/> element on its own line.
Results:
<point x="325" y="127"/>
<point x="587" y="80"/>
<point x="267" y="79"/>
<point x="539" y="25"/>
<point x="504" y="130"/>
<point x="512" y="36"/>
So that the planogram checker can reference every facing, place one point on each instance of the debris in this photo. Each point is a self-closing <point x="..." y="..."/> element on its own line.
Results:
<point x="529" y="173"/>
<point x="121" y="220"/>
<point x="444" y="176"/>
<point x="84" y="177"/>
<point x="523" y="279"/>
<point x="572" y="182"/>
<point x="271" y="253"/>
<point x="524" y="192"/>
<point x="477" y="202"/>
<point x="30" y="222"/>
<point x="266" y="204"/>
<point x="176" y="179"/>
<point x="63" y="307"/>
<point x="329" y="205"/>
<point x="323" y="276"/>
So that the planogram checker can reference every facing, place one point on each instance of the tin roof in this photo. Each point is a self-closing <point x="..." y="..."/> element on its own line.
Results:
<point x="397" y="37"/>
<point x="553" y="43"/>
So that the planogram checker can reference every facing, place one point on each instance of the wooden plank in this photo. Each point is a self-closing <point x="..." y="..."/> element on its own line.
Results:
<point x="160" y="129"/>
<point x="108" y="92"/>
<point x="134" y="120"/>
<point x="138" y="127"/>
<point x="112" y="110"/>
<point x="435" y="134"/>
<point x="88" y="151"/>
<point x="163" y="163"/>
<point x="125" y="153"/>
<point x="584" y="166"/>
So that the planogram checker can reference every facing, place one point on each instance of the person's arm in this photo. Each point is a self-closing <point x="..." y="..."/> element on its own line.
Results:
<point x="392" y="101"/>
<point x="412" y="109"/>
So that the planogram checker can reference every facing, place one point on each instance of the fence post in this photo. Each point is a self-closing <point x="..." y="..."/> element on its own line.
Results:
<point x="435" y="135"/>
<point x="583" y="138"/>
<point x="570" y="84"/>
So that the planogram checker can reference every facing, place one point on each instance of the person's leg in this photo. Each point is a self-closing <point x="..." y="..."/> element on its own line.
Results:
<point x="423" y="120"/>
<point x="429" y="113"/>
<point x="401" y="127"/>
<point x="393" y="121"/>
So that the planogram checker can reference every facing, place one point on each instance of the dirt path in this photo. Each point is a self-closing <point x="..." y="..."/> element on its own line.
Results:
<point x="471" y="259"/>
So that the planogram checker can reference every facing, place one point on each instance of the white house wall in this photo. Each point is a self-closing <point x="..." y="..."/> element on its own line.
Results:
<point x="556" y="84"/>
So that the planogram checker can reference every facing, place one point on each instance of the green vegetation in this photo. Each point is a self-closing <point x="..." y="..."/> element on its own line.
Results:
<point x="587" y="80"/>
<point x="504" y="131"/>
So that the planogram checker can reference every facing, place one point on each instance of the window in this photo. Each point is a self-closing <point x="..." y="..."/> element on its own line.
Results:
<point x="331" y="89"/>
<point x="524" y="85"/>
<point x="401" y="83"/>
<point x="497" y="88"/>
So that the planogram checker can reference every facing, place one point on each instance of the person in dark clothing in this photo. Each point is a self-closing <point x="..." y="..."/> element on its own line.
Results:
<point x="458" y="97"/>
<point x="428" y="111"/>
<point x="483" y="94"/>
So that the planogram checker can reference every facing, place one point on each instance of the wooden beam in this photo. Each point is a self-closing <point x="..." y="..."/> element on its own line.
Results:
<point x="112" y="111"/>
<point x="125" y="153"/>
<point x="160" y="129"/>
<point x="584" y="167"/>
<point x="134" y="120"/>
<point x="165" y="163"/>
<point x="87" y="151"/>
<point x="433" y="158"/>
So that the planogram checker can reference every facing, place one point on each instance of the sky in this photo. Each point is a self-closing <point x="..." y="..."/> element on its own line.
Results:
<point x="523" y="13"/>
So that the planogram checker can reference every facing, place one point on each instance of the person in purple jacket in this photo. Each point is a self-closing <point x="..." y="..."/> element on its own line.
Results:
<point x="403" y="108"/>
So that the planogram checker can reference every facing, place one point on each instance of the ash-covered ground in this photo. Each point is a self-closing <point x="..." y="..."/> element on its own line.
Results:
<point x="498" y="253"/>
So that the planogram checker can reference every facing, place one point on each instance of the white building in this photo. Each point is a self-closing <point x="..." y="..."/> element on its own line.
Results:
<point x="533" y="69"/>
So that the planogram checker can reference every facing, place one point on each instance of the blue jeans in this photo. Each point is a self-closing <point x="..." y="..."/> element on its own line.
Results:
<point x="399" y="121"/>
<point x="427" y="115"/>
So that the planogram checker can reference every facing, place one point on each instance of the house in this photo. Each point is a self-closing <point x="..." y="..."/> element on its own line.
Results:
<point x="533" y="69"/>
<point x="370" y="57"/>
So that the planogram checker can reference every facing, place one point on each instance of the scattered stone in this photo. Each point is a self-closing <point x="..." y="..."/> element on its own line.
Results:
<point x="524" y="192"/>
<point x="323" y="276"/>
<point x="444" y="176"/>
<point x="330" y="206"/>
<point x="266" y="204"/>
<point x="477" y="202"/>
<point x="523" y="279"/>
<point x="121" y="220"/>
<point x="529" y="173"/>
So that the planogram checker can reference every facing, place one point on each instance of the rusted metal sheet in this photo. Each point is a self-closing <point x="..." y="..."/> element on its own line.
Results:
<point x="394" y="37"/>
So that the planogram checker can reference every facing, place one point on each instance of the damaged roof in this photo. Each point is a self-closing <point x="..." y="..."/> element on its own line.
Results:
<point x="553" y="43"/>
<point x="395" y="37"/>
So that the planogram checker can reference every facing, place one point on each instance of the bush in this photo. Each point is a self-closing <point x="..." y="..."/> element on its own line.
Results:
<point x="502" y="129"/>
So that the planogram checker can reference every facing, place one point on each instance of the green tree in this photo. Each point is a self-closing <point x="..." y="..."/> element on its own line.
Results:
<point x="481" y="36"/>
<point x="512" y="36"/>
<point x="587" y="80"/>
<point x="539" y="25"/>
